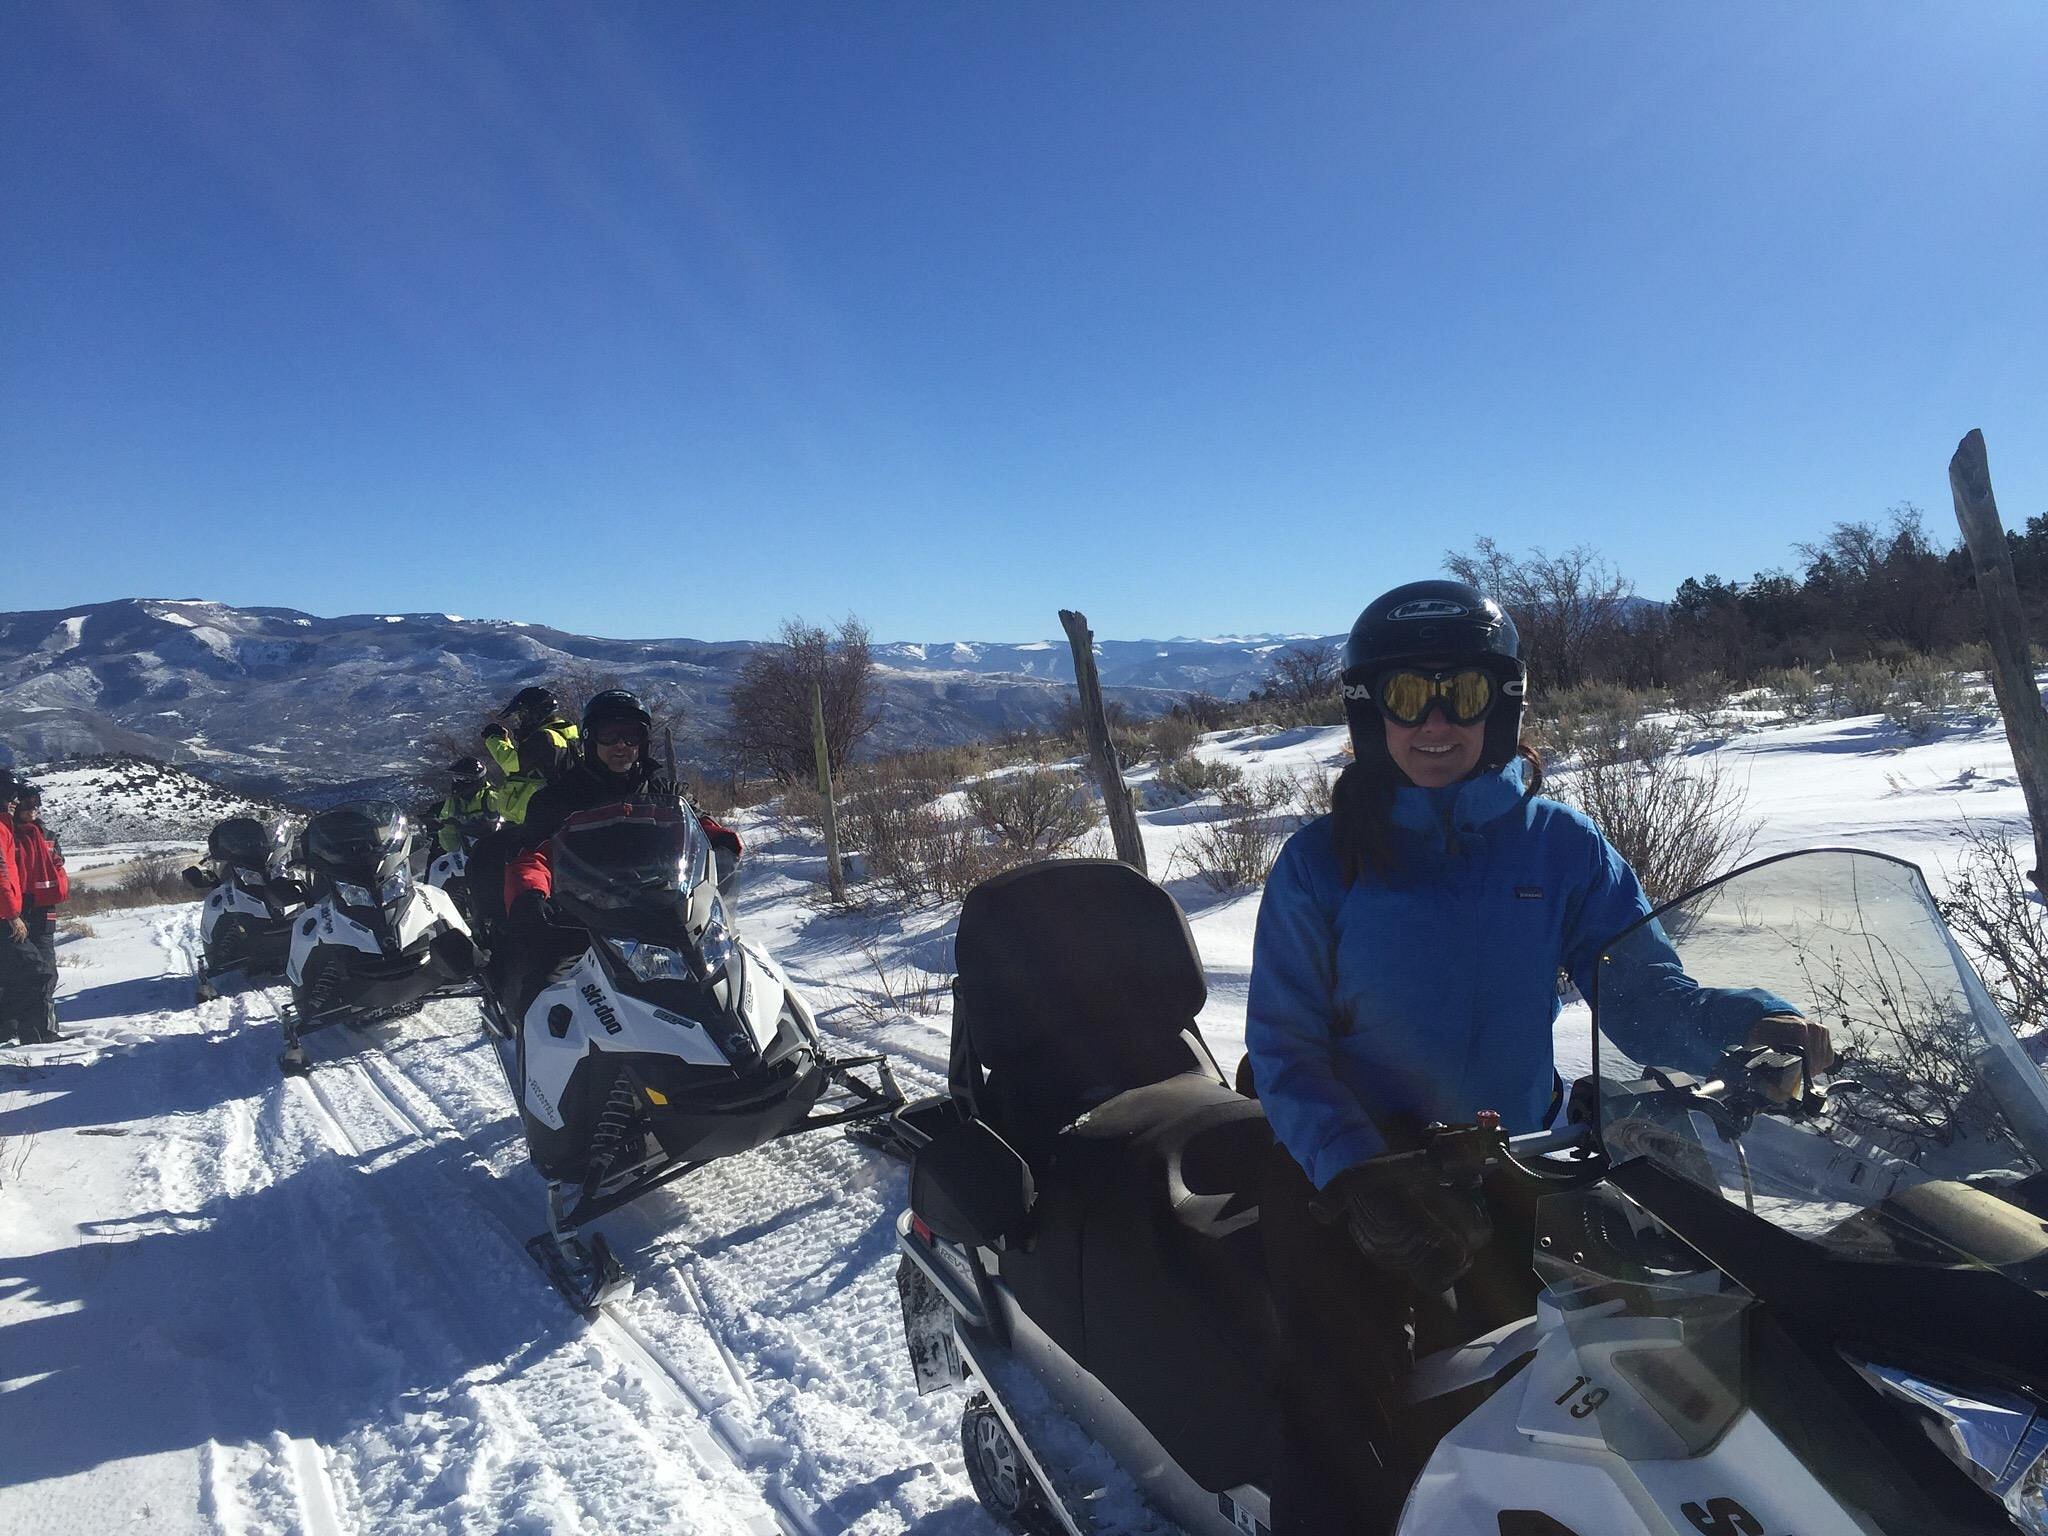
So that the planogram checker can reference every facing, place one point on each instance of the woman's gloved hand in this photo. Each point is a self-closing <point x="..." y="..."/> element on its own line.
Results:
<point x="1427" y="1234"/>
<point x="1802" y="1037"/>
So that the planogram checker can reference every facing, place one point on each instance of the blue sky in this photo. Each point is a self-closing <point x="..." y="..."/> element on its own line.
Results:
<point x="677" y="319"/>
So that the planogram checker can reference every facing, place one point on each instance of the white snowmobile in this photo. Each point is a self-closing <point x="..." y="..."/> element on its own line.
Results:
<point x="653" y="1040"/>
<point x="245" y="927"/>
<point x="449" y="871"/>
<point x="375" y="943"/>
<point x="1759" y="1317"/>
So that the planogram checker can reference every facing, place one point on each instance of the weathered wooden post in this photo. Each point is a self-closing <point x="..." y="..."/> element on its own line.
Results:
<point x="1116" y="798"/>
<point x="835" y="878"/>
<point x="2005" y="627"/>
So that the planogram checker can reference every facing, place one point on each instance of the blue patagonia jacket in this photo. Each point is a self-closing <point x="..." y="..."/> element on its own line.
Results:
<point x="1433" y="999"/>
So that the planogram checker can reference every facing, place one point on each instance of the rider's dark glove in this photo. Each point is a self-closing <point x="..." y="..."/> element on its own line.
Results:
<point x="1426" y="1233"/>
<point x="528" y="915"/>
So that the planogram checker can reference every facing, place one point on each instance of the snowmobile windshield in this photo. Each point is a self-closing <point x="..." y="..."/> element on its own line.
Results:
<point x="366" y="843"/>
<point x="631" y="868"/>
<point x="1927" y="1142"/>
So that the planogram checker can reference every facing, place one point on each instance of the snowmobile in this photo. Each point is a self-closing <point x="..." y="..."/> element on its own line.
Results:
<point x="374" y="943"/>
<point x="449" y="871"/>
<point x="650" y="1039"/>
<point x="245" y="927"/>
<point x="1770" y="1304"/>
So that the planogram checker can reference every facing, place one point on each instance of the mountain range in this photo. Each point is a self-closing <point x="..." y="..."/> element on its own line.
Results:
<point x="275" y="701"/>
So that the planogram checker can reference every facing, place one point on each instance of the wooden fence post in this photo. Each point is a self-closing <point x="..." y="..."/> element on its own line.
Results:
<point x="835" y="878"/>
<point x="2005" y="627"/>
<point x="1116" y="797"/>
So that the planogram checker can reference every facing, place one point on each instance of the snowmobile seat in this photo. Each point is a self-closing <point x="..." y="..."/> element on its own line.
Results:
<point x="1161" y="1186"/>
<point x="1078" y="980"/>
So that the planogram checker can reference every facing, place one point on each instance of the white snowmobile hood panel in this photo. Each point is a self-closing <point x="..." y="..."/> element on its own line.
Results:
<point x="600" y="1018"/>
<point x="423" y="911"/>
<point x="228" y="897"/>
<point x="1536" y="1444"/>
<point x="449" y="866"/>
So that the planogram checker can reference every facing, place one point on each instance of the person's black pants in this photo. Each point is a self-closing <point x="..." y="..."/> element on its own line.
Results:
<point x="42" y="932"/>
<point x="27" y="982"/>
<point x="1349" y="1333"/>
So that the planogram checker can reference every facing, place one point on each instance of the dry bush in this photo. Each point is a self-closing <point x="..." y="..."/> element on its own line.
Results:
<point x="768" y="725"/>
<point x="1701" y="697"/>
<point x="1857" y="687"/>
<point x="153" y="882"/>
<point x="1677" y="821"/>
<point x="911" y="845"/>
<point x="1172" y="735"/>
<point x="1314" y="789"/>
<point x="1190" y="776"/>
<point x="1793" y="687"/>
<point x="1595" y="721"/>
<point x="897" y="990"/>
<point x="1995" y="911"/>
<point x="1040" y="811"/>
<point x="1237" y="850"/>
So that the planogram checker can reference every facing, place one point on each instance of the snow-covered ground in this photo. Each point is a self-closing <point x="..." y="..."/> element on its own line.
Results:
<point x="233" y="1303"/>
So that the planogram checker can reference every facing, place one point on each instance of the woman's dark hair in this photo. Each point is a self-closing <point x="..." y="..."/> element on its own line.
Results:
<point x="1362" y="813"/>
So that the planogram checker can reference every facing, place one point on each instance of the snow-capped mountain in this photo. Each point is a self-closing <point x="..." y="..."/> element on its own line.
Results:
<point x="96" y="801"/>
<point x="274" y="699"/>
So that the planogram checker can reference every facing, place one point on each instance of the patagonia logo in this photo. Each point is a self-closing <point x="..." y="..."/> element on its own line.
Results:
<point x="1430" y="608"/>
<point x="1528" y="893"/>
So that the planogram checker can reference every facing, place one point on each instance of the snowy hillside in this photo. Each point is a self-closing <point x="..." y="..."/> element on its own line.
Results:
<point x="277" y="700"/>
<point x="129" y="800"/>
<point x="235" y="1303"/>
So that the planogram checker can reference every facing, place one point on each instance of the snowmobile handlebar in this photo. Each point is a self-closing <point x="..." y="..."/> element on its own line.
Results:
<point x="1461" y="1156"/>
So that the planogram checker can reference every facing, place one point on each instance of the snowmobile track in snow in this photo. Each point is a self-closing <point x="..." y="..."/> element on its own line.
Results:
<point x="721" y="1438"/>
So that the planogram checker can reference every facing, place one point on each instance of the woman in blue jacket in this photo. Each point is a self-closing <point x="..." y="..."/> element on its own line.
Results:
<point x="1405" y="971"/>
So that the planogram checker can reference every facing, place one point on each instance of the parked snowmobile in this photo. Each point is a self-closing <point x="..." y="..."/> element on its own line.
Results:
<point x="1758" y="1318"/>
<point x="450" y="870"/>
<point x="654" y="1040"/>
<point x="245" y="927"/>
<point x="374" y="943"/>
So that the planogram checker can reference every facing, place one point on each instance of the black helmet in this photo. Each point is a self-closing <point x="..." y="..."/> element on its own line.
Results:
<point x="531" y="704"/>
<point x="10" y="787"/>
<point x="246" y="842"/>
<point x="1432" y="621"/>
<point x="468" y="772"/>
<point x="27" y="793"/>
<point x="608" y="708"/>
<point x="371" y="838"/>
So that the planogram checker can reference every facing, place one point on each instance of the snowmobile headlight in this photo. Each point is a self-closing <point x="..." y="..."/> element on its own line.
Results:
<point x="1997" y="1434"/>
<point x="716" y="944"/>
<point x="354" y="895"/>
<point x="651" y="962"/>
<point x="393" y="890"/>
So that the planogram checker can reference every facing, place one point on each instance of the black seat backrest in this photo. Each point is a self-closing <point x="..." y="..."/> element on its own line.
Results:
<point x="1078" y="979"/>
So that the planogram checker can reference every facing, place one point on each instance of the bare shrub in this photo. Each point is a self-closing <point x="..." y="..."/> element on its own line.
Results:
<point x="1701" y="697"/>
<point x="1173" y="735"/>
<point x="1237" y="850"/>
<point x="1677" y="821"/>
<point x="1302" y="674"/>
<point x="1037" y="810"/>
<point x="1314" y="790"/>
<point x="1995" y="911"/>
<point x="158" y="880"/>
<point x="896" y="990"/>
<point x="1192" y="776"/>
<point x="1793" y="687"/>
<point x="1856" y="688"/>
<point x="910" y="844"/>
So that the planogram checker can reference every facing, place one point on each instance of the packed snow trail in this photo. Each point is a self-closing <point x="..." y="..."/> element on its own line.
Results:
<point x="305" y="1305"/>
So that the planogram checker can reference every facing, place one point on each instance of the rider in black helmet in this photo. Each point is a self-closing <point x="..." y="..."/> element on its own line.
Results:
<point x="538" y="745"/>
<point x="616" y="766"/>
<point x="469" y="795"/>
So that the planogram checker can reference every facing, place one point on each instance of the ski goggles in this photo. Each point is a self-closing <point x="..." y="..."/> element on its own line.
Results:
<point x="618" y="731"/>
<point x="1406" y="695"/>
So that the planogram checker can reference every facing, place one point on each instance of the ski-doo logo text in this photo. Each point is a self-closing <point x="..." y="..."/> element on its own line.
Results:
<point x="601" y="1008"/>
<point x="1430" y="608"/>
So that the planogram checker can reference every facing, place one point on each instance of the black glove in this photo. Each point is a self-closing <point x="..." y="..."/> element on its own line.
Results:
<point x="1425" y="1233"/>
<point x="528" y="916"/>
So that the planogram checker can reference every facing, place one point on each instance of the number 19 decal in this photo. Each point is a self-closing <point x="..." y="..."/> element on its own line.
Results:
<point x="1586" y="1405"/>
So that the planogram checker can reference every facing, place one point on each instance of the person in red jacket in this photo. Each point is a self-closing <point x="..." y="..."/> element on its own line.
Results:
<point x="26" y="979"/>
<point x="616" y="767"/>
<point x="45" y="884"/>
